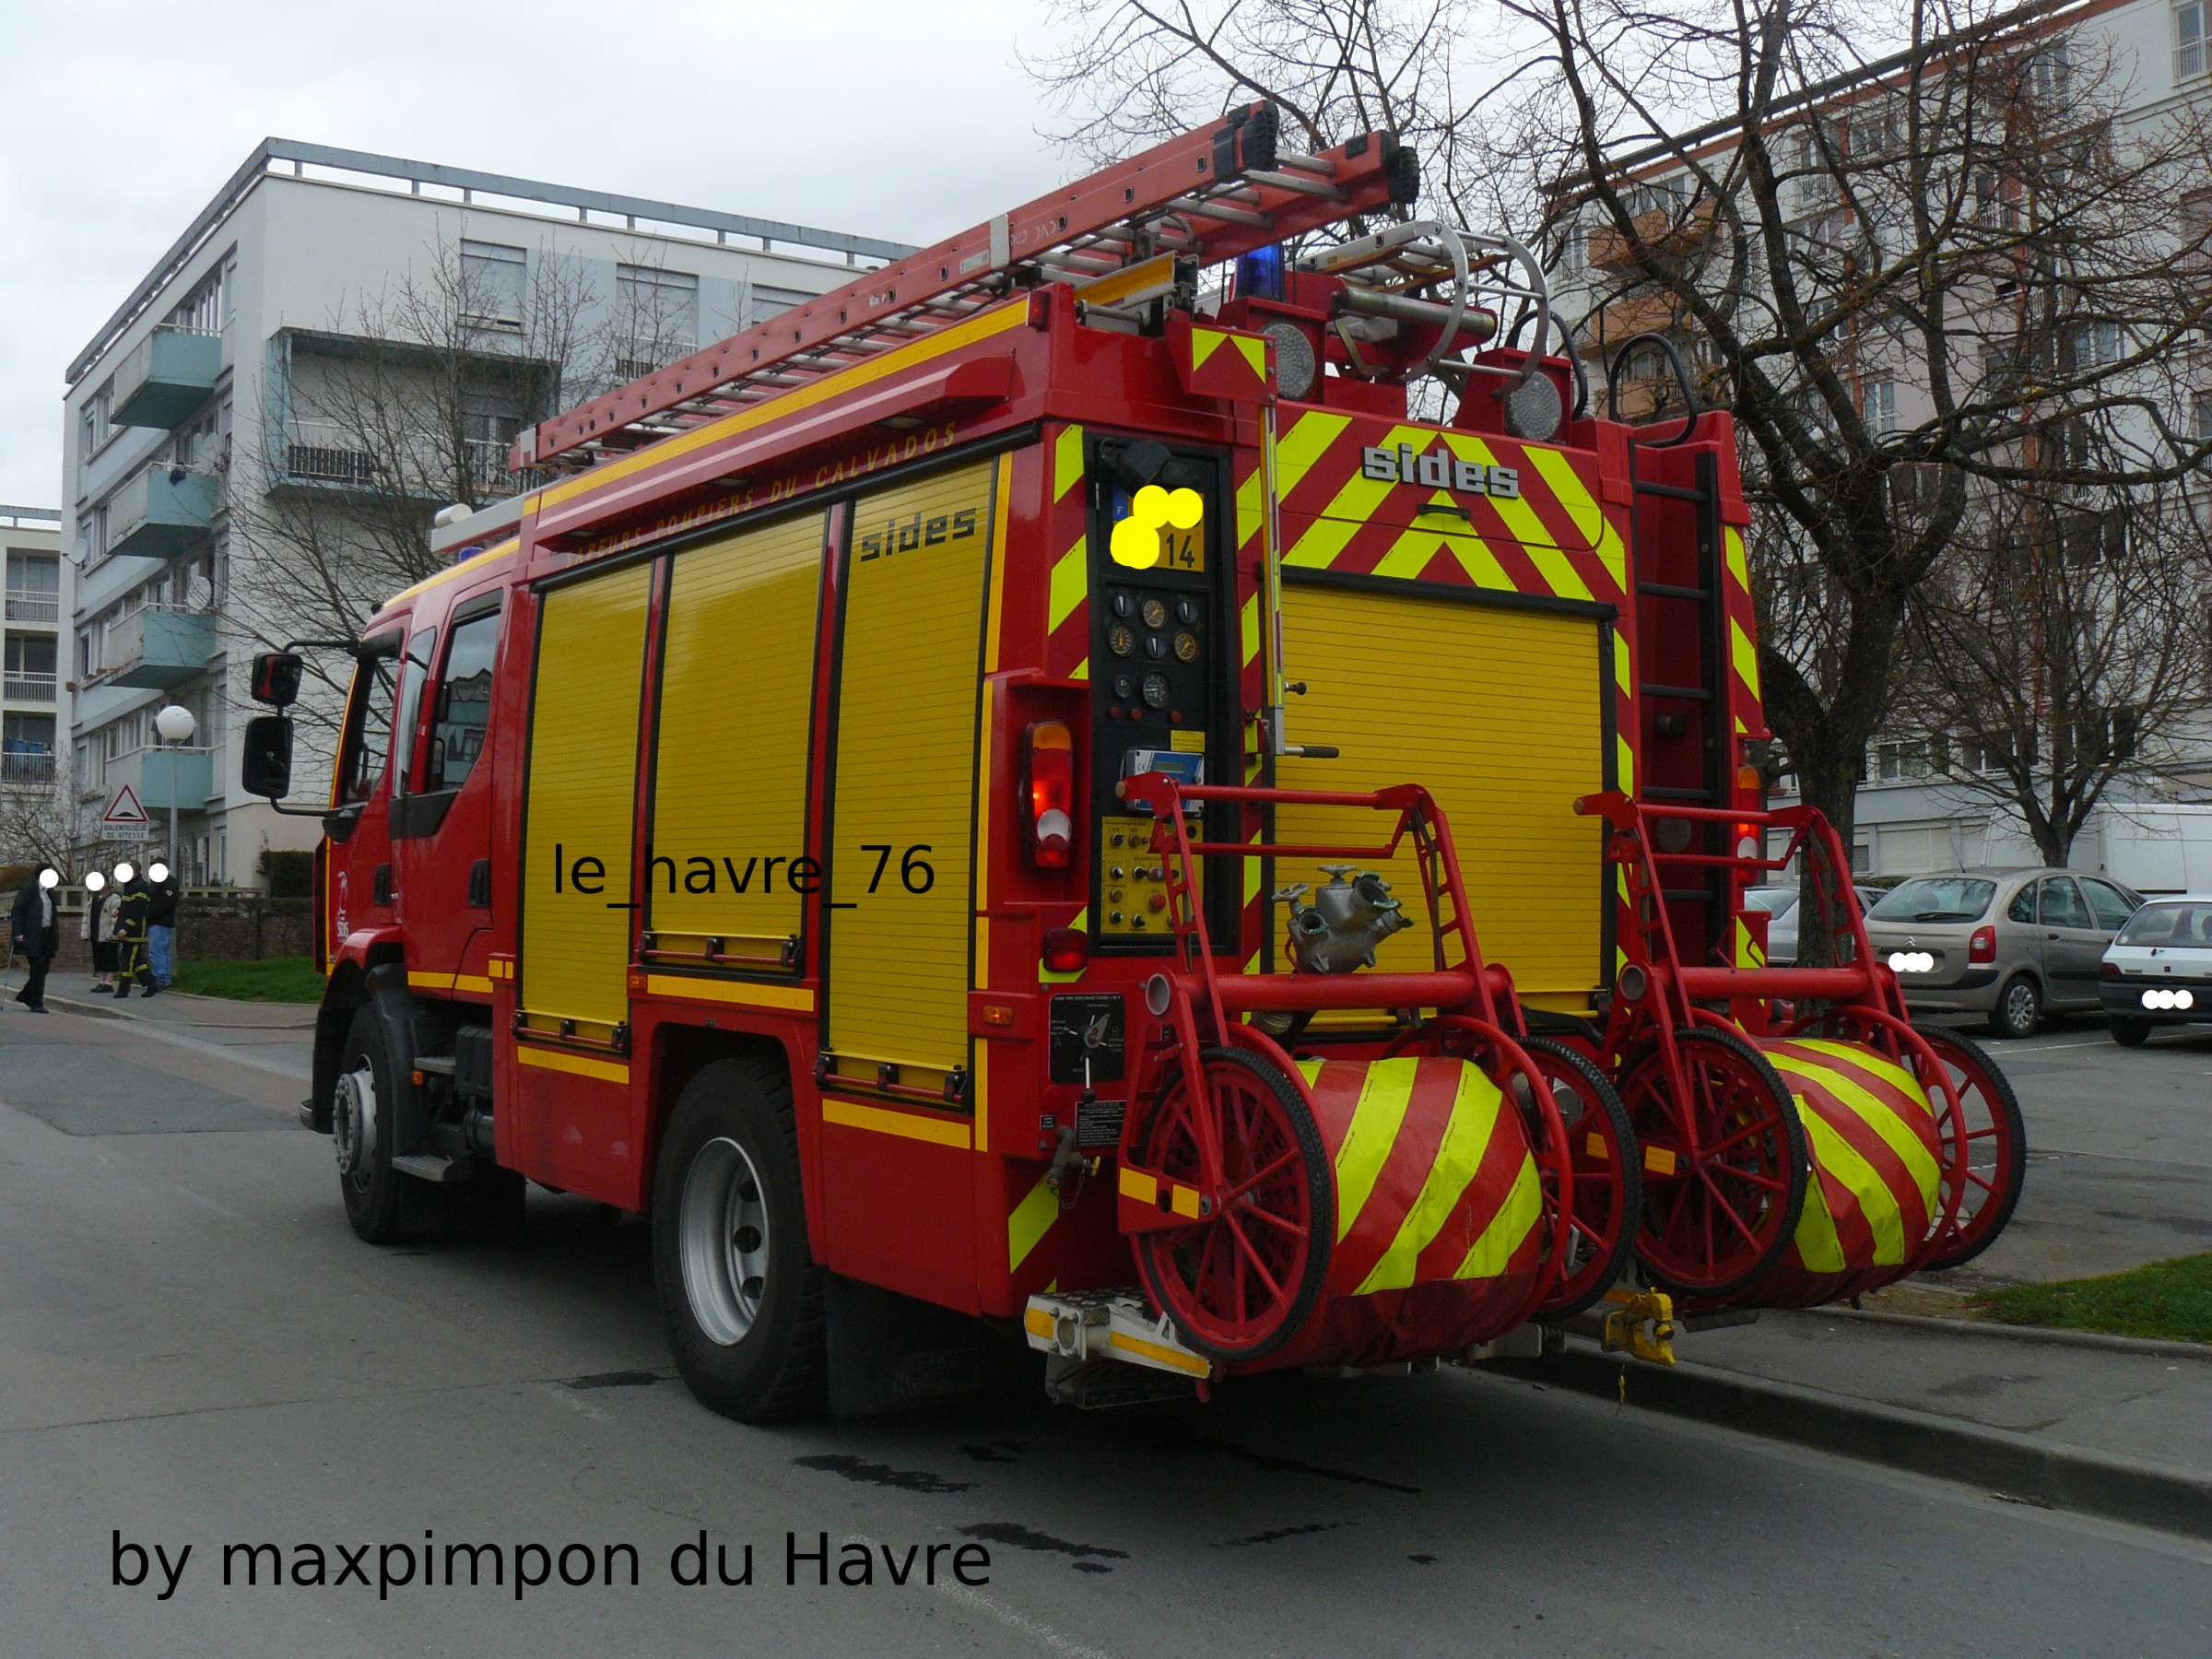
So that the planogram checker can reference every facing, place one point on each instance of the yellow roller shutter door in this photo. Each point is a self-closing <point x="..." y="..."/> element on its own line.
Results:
<point x="736" y="708"/>
<point x="909" y="684"/>
<point x="1499" y="713"/>
<point x="581" y="799"/>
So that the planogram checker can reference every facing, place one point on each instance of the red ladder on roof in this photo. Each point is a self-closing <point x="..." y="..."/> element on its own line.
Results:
<point x="1207" y="197"/>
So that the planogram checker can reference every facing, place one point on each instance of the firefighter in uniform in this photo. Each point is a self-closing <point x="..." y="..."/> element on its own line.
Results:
<point x="134" y="903"/>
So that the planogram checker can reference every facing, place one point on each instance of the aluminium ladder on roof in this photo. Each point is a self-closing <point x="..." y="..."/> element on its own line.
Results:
<point x="1208" y="195"/>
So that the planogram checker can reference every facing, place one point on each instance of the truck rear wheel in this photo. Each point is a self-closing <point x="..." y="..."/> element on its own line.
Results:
<point x="740" y="1292"/>
<point x="361" y="1131"/>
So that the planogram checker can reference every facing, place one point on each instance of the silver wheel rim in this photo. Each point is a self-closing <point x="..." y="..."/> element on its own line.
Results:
<point x="722" y="1232"/>
<point x="353" y="1125"/>
<point x="2020" y="1006"/>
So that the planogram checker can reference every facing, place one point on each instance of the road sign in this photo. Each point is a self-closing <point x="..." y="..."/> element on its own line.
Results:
<point x="124" y="810"/>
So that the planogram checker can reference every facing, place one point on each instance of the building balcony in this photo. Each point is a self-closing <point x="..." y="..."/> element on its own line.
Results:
<point x="34" y="607"/>
<point x="26" y="688"/>
<point x="167" y="376"/>
<point x="158" y="648"/>
<point x="162" y="777"/>
<point x="161" y="512"/>
<point x="1658" y="232"/>
<point x="321" y="454"/>
<point x="26" y="765"/>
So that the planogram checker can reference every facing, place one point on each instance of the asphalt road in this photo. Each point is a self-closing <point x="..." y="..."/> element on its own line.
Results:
<point x="194" y="1350"/>
<point x="2120" y="1152"/>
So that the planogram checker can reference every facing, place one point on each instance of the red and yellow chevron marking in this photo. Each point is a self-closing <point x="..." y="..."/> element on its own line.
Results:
<point x="1434" y="1178"/>
<point x="1223" y="362"/>
<point x="1067" y="613"/>
<point x="1877" y="1163"/>
<point x="1743" y="649"/>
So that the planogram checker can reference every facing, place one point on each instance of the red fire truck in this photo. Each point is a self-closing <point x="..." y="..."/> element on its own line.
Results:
<point x="1115" y="782"/>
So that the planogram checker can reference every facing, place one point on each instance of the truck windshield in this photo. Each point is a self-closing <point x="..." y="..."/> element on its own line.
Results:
<point x="368" y="728"/>
<point x="2185" y="924"/>
<point x="1936" y="899"/>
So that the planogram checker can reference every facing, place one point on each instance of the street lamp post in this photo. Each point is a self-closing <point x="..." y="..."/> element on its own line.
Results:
<point x="176" y="726"/>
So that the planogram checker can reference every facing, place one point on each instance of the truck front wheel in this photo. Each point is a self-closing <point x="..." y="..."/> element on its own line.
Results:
<point x="361" y="1131"/>
<point x="739" y="1289"/>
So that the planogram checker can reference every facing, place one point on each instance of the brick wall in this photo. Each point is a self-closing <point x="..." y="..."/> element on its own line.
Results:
<point x="241" y="927"/>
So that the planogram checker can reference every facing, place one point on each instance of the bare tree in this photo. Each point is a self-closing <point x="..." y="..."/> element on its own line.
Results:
<point x="39" y="826"/>
<point x="406" y="405"/>
<point x="1907" y="246"/>
<point x="2059" y="649"/>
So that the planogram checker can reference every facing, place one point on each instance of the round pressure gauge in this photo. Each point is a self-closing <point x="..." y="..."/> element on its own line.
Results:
<point x="1156" y="690"/>
<point x="1124" y="686"/>
<point x="1155" y="614"/>
<point x="1121" y="640"/>
<point x="1186" y="647"/>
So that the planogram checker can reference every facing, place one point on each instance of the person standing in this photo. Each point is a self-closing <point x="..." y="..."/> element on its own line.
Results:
<point x="133" y="902"/>
<point x="161" y="922"/>
<point x="97" y="928"/>
<point x="35" y="934"/>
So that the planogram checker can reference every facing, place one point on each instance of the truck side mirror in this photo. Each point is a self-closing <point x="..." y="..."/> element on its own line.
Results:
<point x="277" y="679"/>
<point x="267" y="769"/>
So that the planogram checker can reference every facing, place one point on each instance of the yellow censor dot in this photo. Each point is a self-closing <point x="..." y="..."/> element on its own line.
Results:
<point x="1136" y="539"/>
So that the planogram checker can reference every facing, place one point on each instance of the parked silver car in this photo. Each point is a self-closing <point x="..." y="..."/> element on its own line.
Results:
<point x="2009" y="944"/>
<point x="1781" y="907"/>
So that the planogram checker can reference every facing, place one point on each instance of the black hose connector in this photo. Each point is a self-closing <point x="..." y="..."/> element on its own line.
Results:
<point x="1674" y="357"/>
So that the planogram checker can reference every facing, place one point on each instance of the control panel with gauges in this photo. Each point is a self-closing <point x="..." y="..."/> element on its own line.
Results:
<point x="1162" y="688"/>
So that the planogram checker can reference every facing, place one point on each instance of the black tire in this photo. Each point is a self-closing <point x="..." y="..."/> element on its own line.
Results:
<point x="2019" y="1007"/>
<point x="367" y="1181"/>
<point x="1592" y="1086"/>
<point x="751" y="1345"/>
<point x="2127" y="1032"/>
<point x="1985" y="1228"/>
<point x="491" y="1204"/>
<point x="1320" y="1173"/>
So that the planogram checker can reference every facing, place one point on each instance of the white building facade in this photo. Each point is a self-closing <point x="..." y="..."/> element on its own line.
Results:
<point x="37" y="616"/>
<point x="184" y="421"/>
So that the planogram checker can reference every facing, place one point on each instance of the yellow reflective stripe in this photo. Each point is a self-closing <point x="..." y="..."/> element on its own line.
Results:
<point x="1833" y="1153"/>
<point x="1489" y="1255"/>
<point x="1410" y="554"/>
<point x="1384" y="1094"/>
<point x="606" y="1071"/>
<point x="1522" y="521"/>
<point x="1624" y="767"/>
<point x="1818" y="1246"/>
<point x="1137" y="1184"/>
<point x="1736" y="567"/>
<point x="1296" y="450"/>
<point x="851" y="1115"/>
<point x="1910" y="1149"/>
<point x="1153" y="1351"/>
<point x="1067" y="461"/>
<point x="1031" y="1219"/>
<point x="1596" y="529"/>
<point x="1071" y="582"/>
<point x="1466" y="1137"/>
<point x="1745" y="653"/>
<point x="1251" y="618"/>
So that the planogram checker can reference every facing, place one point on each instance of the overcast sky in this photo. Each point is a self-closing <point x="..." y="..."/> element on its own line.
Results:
<point x="119" y="121"/>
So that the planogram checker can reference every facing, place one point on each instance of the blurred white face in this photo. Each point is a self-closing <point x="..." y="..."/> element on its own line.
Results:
<point x="95" y="882"/>
<point x="50" y="878"/>
<point x="157" y="872"/>
<point x="124" y="872"/>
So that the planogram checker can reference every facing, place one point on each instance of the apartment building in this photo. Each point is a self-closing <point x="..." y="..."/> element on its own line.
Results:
<point x="209" y="461"/>
<point x="36" y="612"/>
<point x="1916" y="810"/>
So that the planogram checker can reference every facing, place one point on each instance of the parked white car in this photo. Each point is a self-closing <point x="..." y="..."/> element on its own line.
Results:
<point x="2158" y="970"/>
<point x="1781" y="905"/>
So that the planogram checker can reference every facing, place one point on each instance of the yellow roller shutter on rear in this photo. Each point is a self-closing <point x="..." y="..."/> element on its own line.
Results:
<point x="1499" y="713"/>
<point x="580" y="799"/>
<point x="909" y="685"/>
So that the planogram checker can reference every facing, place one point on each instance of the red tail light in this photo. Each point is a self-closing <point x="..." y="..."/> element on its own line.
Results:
<point x="1047" y="793"/>
<point x="1067" y="949"/>
<point x="1982" y="946"/>
<point x="2107" y="971"/>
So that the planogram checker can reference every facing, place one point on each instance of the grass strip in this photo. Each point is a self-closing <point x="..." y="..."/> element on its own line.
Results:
<point x="2168" y="1300"/>
<point x="278" y="979"/>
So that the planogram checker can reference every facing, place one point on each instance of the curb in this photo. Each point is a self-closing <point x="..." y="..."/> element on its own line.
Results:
<point x="2016" y="1332"/>
<point x="2018" y="1465"/>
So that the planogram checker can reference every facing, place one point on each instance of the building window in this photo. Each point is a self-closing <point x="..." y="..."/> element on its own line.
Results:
<point x="2200" y="416"/>
<point x="1881" y="413"/>
<point x="94" y="425"/>
<point x="2188" y="39"/>
<point x="765" y="302"/>
<point x="659" y="317"/>
<point x="492" y="277"/>
<point x="2094" y="345"/>
<point x="34" y="588"/>
<point x="207" y="307"/>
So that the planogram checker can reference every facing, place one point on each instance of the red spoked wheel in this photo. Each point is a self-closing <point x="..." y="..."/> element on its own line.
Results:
<point x="1724" y="1162"/>
<point x="1607" y="1183"/>
<point x="1996" y="1148"/>
<point x="1238" y="1282"/>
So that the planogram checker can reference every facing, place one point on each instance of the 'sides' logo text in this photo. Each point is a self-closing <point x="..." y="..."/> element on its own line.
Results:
<point x="1438" y="470"/>
<point x="918" y="531"/>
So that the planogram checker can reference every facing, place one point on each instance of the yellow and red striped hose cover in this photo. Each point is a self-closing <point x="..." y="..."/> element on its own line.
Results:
<point x="1438" y="1210"/>
<point x="1877" y="1170"/>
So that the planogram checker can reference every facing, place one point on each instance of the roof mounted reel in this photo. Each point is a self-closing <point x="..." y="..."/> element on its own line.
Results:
<point x="1416" y="295"/>
<point x="1348" y="918"/>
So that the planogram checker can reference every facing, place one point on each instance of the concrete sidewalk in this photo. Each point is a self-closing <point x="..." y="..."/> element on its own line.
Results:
<point x="270" y="1036"/>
